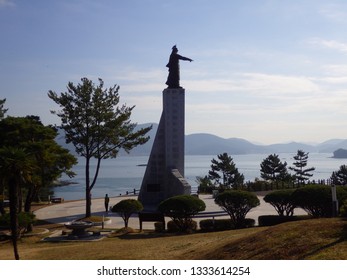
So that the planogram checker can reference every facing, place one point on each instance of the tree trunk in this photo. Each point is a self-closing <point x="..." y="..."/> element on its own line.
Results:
<point x="27" y="206"/>
<point x="88" y="190"/>
<point x="89" y="186"/>
<point x="88" y="202"/>
<point x="13" y="195"/>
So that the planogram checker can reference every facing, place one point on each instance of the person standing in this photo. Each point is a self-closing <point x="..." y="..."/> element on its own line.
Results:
<point x="107" y="201"/>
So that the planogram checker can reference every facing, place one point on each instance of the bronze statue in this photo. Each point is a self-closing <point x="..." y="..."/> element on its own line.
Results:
<point x="173" y="79"/>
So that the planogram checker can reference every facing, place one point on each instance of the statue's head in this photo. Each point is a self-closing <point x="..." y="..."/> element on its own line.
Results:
<point x="174" y="49"/>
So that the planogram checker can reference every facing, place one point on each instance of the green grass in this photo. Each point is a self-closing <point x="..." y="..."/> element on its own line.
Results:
<point x="308" y="239"/>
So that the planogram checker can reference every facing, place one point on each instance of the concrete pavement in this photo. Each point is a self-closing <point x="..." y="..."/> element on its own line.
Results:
<point x="68" y="211"/>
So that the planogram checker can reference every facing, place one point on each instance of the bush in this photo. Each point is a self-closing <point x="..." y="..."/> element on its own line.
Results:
<point x="257" y="186"/>
<point x="173" y="227"/>
<point x="316" y="200"/>
<point x="247" y="223"/>
<point x="223" y="224"/>
<point x="271" y="220"/>
<point x="282" y="201"/>
<point x="181" y="209"/>
<point x="126" y="208"/>
<point x="343" y="209"/>
<point x="237" y="204"/>
<point x="216" y="225"/>
<point x="159" y="227"/>
<point x="24" y="220"/>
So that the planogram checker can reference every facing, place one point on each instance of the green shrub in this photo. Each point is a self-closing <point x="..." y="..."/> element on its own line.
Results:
<point x="271" y="220"/>
<point x="216" y="224"/>
<point x="282" y="201"/>
<point x="173" y="227"/>
<point x="126" y="208"/>
<point x="316" y="200"/>
<point x="343" y="209"/>
<point x="158" y="227"/>
<point x="247" y="223"/>
<point x="24" y="220"/>
<point x="181" y="209"/>
<point x="258" y="186"/>
<point x="237" y="204"/>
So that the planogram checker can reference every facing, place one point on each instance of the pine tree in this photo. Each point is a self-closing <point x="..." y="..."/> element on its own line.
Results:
<point x="224" y="172"/>
<point x="272" y="169"/>
<point x="96" y="125"/>
<point x="2" y="109"/>
<point x="301" y="174"/>
<point x="339" y="177"/>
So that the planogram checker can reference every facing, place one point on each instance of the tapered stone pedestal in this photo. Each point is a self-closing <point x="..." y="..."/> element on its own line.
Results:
<point x="164" y="176"/>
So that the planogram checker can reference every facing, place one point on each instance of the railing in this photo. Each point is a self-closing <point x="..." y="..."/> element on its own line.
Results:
<point x="134" y="192"/>
<point x="211" y="214"/>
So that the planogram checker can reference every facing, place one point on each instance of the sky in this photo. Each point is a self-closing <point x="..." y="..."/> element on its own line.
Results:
<point x="264" y="70"/>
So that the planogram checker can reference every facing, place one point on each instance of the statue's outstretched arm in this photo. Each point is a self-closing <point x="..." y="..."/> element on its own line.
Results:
<point x="184" y="58"/>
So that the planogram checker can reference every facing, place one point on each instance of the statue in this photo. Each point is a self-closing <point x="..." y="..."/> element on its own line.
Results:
<point x="173" y="79"/>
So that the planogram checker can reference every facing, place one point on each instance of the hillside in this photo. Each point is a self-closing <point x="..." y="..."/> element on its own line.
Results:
<point x="320" y="239"/>
<point x="209" y="144"/>
<point x="325" y="239"/>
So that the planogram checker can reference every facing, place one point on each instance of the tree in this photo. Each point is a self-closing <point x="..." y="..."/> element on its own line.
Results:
<point x="302" y="175"/>
<point x="95" y="124"/>
<point x="205" y="184"/>
<point x="15" y="167"/>
<point x="272" y="169"/>
<point x="49" y="158"/>
<point x="339" y="177"/>
<point x="237" y="204"/>
<point x="126" y="208"/>
<point x="282" y="201"/>
<point x="224" y="172"/>
<point x="181" y="209"/>
<point x="316" y="200"/>
<point x="2" y="109"/>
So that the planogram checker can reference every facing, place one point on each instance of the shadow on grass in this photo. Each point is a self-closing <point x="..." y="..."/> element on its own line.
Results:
<point x="342" y="238"/>
<point x="149" y="235"/>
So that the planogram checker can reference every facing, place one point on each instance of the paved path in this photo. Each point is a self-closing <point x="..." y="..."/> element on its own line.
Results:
<point x="69" y="211"/>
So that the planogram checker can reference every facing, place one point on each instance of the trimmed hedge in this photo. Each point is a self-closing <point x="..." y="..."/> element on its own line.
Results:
<point x="237" y="204"/>
<point x="181" y="209"/>
<point x="216" y="225"/>
<point x="317" y="199"/>
<point x="173" y="227"/>
<point x="272" y="220"/>
<point x="126" y="208"/>
<point x="282" y="201"/>
<point x="159" y="227"/>
<point x="223" y="224"/>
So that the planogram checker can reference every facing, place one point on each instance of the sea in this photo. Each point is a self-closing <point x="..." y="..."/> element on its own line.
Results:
<point x="125" y="173"/>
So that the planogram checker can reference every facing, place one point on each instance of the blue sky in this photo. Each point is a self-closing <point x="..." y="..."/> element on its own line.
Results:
<point x="267" y="71"/>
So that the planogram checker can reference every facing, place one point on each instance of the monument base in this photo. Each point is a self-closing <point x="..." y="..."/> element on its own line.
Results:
<point x="164" y="176"/>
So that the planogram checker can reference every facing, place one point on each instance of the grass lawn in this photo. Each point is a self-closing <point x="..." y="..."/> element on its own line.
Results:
<point x="308" y="239"/>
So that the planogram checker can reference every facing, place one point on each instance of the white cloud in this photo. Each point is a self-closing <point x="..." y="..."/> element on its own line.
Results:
<point x="257" y="84"/>
<point x="336" y="69"/>
<point x="330" y="44"/>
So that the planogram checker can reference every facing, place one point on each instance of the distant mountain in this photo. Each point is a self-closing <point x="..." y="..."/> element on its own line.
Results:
<point x="340" y="153"/>
<point x="291" y="147"/>
<point x="332" y="145"/>
<point x="209" y="144"/>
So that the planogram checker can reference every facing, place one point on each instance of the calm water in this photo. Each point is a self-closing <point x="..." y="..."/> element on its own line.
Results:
<point x="124" y="173"/>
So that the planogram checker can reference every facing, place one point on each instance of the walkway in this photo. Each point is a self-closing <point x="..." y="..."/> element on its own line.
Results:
<point x="69" y="211"/>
